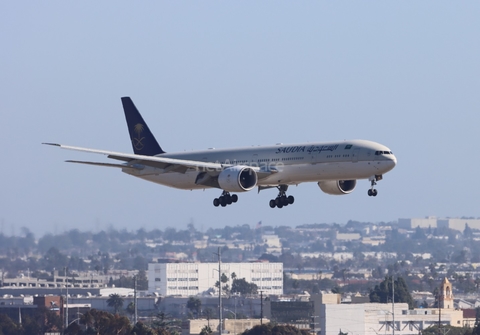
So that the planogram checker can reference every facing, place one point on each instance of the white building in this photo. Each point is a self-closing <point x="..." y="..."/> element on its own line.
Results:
<point x="375" y="319"/>
<point x="433" y="222"/>
<point x="187" y="279"/>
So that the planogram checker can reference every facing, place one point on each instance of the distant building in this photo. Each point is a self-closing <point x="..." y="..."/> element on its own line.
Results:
<point x="375" y="318"/>
<point x="191" y="327"/>
<point x="433" y="222"/>
<point x="414" y="223"/>
<point x="348" y="236"/>
<point x="187" y="279"/>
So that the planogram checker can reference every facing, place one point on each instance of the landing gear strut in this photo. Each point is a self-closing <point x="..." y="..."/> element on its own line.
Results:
<point x="225" y="199"/>
<point x="372" y="192"/>
<point x="282" y="199"/>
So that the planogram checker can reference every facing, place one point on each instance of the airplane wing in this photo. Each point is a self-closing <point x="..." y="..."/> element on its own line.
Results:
<point x="135" y="161"/>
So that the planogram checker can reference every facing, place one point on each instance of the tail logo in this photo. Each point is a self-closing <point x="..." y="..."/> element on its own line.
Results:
<point x="137" y="141"/>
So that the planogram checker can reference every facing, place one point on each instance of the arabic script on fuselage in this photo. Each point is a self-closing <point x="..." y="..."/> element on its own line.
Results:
<point x="304" y="148"/>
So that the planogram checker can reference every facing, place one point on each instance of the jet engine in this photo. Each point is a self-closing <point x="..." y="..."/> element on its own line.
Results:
<point x="337" y="187"/>
<point x="237" y="179"/>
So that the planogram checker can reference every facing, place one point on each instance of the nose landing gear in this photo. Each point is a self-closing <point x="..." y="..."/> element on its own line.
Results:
<point x="372" y="192"/>
<point x="282" y="199"/>
<point x="225" y="199"/>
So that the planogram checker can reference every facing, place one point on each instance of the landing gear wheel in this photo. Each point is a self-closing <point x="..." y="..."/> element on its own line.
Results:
<point x="282" y="199"/>
<point x="225" y="199"/>
<point x="372" y="192"/>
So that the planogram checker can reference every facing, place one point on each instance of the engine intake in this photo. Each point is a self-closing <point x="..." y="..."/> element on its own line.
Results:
<point x="237" y="179"/>
<point x="337" y="187"/>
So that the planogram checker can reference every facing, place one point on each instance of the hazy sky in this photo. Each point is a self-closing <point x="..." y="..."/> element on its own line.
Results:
<point x="235" y="73"/>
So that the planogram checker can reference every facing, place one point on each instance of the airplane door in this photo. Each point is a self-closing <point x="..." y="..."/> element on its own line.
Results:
<point x="355" y="154"/>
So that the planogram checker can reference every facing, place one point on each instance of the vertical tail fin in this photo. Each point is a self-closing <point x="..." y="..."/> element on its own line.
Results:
<point x="143" y="141"/>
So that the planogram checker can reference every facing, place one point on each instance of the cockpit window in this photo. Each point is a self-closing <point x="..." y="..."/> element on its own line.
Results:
<point x="378" y="153"/>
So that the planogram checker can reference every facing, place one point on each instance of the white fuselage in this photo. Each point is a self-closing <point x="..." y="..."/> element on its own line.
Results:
<point x="295" y="163"/>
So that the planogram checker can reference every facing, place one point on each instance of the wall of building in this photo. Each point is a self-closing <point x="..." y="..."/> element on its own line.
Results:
<point x="188" y="279"/>
<point x="346" y="318"/>
<point x="231" y="326"/>
<point x="374" y="319"/>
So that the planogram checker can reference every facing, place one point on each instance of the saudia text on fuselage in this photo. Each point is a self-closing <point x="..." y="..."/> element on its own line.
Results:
<point x="304" y="148"/>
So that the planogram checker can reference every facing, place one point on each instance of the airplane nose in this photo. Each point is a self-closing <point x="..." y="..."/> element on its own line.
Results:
<point x="392" y="162"/>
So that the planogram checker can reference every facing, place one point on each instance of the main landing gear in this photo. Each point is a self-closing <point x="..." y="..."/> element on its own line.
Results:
<point x="282" y="200"/>
<point x="225" y="199"/>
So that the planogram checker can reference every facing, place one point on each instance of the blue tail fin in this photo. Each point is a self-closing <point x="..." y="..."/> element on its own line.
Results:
<point x="143" y="141"/>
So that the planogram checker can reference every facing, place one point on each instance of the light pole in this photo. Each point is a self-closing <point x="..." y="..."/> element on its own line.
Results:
<point x="235" y="323"/>
<point x="66" y="305"/>
<point x="393" y="303"/>
<point x="219" y="291"/>
<point x="135" y="318"/>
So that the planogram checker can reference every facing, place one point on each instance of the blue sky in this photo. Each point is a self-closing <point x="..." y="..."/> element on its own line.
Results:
<point x="235" y="73"/>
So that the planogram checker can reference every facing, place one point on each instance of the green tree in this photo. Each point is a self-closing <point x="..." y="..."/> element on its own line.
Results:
<point x="271" y="329"/>
<point x="383" y="292"/>
<point x="130" y="308"/>
<point x="101" y="322"/>
<point x="115" y="301"/>
<point x="194" y="305"/>
<point x="224" y="279"/>
<point x="142" y="329"/>
<point x="8" y="326"/>
<point x="206" y="330"/>
<point x="243" y="287"/>
<point x="164" y="324"/>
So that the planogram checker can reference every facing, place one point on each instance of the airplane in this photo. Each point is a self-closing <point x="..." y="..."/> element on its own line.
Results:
<point x="334" y="166"/>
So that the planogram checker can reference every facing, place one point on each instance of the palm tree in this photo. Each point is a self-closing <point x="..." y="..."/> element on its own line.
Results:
<point x="115" y="301"/>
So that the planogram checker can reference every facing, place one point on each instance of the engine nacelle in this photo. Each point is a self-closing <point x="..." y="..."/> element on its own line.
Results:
<point x="337" y="187"/>
<point x="237" y="179"/>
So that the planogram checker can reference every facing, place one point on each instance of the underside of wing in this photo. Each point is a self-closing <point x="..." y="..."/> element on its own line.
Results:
<point x="135" y="161"/>
<point x="165" y="163"/>
<point x="121" y="166"/>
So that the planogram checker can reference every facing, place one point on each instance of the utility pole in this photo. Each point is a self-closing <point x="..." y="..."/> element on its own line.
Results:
<point x="66" y="305"/>
<point x="314" y="324"/>
<point x="261" y="307"/>
<point x="135" y="317"/>
<point x="220" y="323"/>
<point x="393" y="302"/>
<point x="439" y="313"/>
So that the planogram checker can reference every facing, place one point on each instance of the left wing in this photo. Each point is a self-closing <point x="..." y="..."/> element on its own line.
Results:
<point x="134" y="161"/>
<point x="169" y="164"/>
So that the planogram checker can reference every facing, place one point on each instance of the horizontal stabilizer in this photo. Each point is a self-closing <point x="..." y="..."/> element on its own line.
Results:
<point x="122" y="166"/>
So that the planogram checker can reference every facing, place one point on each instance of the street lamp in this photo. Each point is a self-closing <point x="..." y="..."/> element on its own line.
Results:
<point x="235" y="323"/>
